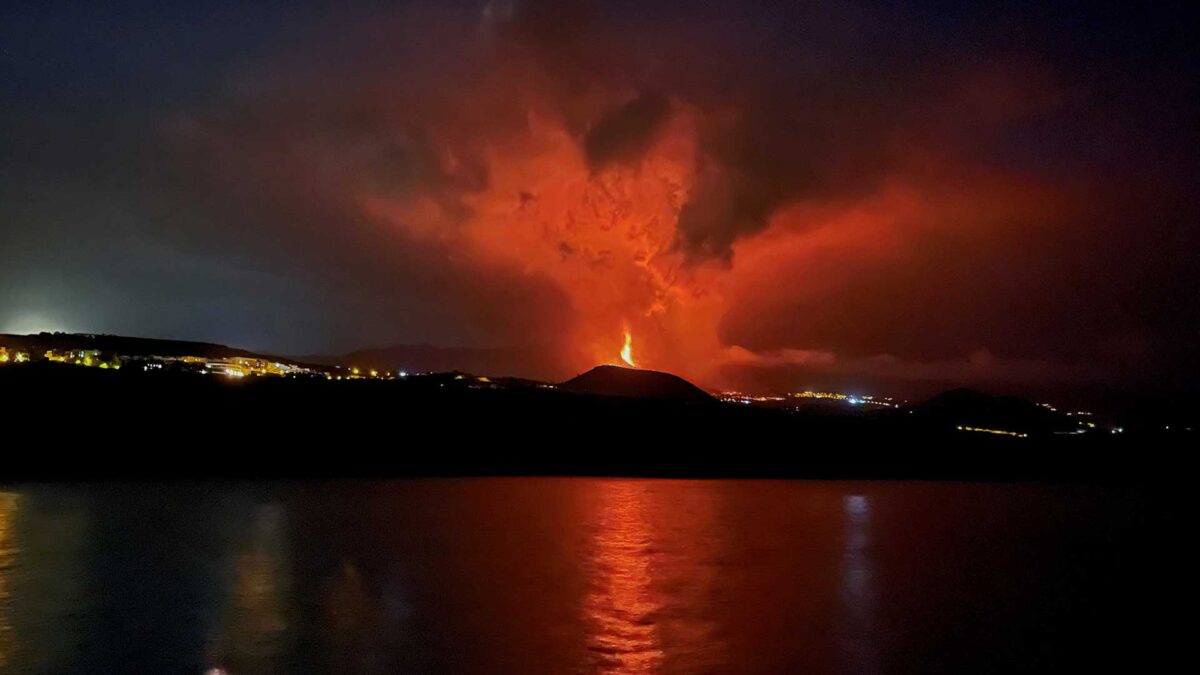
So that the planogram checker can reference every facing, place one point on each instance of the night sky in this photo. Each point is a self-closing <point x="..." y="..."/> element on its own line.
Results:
<point x="885" y="195"/>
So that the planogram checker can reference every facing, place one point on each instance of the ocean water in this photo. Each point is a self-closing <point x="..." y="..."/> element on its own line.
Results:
<point x="545" y="575"/>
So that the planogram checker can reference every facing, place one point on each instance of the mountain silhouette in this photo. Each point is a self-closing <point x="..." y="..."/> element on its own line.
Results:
<point x="974" y="408"/>
<point x="634" y="382"/>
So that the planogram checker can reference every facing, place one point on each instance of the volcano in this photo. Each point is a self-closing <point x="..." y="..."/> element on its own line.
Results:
<point x="634" y="382"/>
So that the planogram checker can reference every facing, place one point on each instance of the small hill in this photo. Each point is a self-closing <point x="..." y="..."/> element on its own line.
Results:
<point x="634" y="382"/>
<point x="978" y="409"/>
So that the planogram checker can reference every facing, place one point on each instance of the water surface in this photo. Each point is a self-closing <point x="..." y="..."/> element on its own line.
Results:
<point x="574" y="576"/>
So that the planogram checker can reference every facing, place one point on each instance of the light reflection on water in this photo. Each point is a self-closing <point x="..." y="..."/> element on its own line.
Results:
<point x="621" y="604"/>
<point x="859" y="633"/>
<point x="554" y="576"/>
<point x="42" y="584"/>
<point x="651" y="572"/>
<point x="252" y="637"/>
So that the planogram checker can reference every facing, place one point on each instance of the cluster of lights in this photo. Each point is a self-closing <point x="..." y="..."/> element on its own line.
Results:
<point x="13" y="357"/>
<point x="232" y="367"/>
<point x="89" y="358"/>
<point x="356" y="373"/>
<point x="886" y="401"/>
<point x="746" y="399"/>
<point x="999" y="432"/>
<point x="240" y="366"/>
<point x="850" y="399"/>
<point x="81" y="357"/>
<point x="1077" y="413"/>
<point x="1084" y="426"/>
<point x="243" y="366"/>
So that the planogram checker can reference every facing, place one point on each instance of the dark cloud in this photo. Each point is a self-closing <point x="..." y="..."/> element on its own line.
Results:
<point x="626" y="132"/>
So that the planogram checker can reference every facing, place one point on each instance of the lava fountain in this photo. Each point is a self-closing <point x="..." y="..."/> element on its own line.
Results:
<point x="627" y="350"/>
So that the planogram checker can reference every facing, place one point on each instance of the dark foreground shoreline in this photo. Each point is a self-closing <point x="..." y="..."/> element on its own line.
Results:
<point x="66" y="423"/>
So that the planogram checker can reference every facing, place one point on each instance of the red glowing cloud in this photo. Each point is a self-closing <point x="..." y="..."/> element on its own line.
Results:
<point x="838" y="216"/>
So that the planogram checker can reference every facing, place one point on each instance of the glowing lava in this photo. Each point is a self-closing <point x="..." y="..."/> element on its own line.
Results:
<point x="627" y="350"/>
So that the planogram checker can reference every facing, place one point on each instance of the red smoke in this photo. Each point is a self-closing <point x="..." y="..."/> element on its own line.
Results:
<point x="605" y="236"/>
<point x="731" y="214"/>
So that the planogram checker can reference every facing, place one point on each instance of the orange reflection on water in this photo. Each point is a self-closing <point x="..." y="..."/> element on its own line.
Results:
<point x="620" y="606"/>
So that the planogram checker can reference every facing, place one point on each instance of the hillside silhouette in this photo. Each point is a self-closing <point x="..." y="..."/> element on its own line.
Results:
<point x="634" y="382"/>
<point x="969" y="407"/>
<point x="75" y="422"/>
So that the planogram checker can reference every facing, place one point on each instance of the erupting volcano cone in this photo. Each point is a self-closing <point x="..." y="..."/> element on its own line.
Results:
<point x="621" y="381"/>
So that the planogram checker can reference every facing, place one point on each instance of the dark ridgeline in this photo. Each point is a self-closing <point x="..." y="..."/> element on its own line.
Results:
<point x="120" y="344"/>
<point x="71" y="421"/>
<point x="978" y="409"/>
<point x="530" y="361"/>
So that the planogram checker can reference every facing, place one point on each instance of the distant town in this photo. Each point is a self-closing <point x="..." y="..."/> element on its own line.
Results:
<point x="35" y="348"/>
